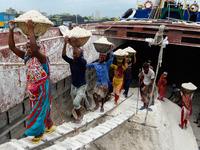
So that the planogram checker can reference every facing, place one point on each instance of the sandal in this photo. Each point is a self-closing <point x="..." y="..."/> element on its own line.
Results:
<point x="53" y="128"/>
<point x="102" y="110"/>
<point x="36" y="140"/>
<point x="142" y="108"/>
<point x="95" y="108"/>
<point x="77" y="120"/>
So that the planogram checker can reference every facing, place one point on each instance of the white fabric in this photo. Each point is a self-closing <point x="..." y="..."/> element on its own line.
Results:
<point x="148" y="77"/>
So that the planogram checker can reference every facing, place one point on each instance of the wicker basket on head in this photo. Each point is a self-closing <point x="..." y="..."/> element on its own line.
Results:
<point x="81" y="41"/>
<point x="188" y="87"/>
<point x="119" y="57"/>
<point x="39" y="30"/>
<point x="102" y="48"/>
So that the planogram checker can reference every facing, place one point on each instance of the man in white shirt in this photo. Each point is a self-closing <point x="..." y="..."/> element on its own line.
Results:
<point x="148" y="75"/>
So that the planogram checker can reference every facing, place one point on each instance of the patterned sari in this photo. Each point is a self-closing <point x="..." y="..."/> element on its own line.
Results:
<point x="40" y="94"/>
<point x="118" y="80"/>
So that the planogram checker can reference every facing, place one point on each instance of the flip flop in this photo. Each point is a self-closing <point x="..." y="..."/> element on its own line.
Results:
<point x="102" y="110"/>
<point x="36" y="140"/>
<point x="180" y="126"/>
<point x="53" y="128"/>
<point x="95" y="108"/>
<point x="142" y="108"/>
<point x="77" y="121"/>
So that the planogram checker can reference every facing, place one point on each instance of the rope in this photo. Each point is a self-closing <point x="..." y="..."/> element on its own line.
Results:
<point x="158" y="40"/>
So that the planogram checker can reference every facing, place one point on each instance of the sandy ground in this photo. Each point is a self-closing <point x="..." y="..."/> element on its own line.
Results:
<point x="161" y="131"/>
<point x="195" y="107"/>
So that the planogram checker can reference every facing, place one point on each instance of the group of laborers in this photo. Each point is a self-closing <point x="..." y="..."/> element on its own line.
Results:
<point x="40" y="86"/>
<point x="185" y="97"/>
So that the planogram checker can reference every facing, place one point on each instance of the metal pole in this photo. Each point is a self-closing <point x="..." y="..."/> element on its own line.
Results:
<point x="138" y="92"/>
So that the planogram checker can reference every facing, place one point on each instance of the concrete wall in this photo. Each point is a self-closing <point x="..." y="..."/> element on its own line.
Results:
<point x="13" y="78"/>
<point x="14" y="121"/>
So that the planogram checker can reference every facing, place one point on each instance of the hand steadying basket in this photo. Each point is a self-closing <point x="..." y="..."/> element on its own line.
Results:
<point x="42" y="24"/>
<point x="39" y="30"/>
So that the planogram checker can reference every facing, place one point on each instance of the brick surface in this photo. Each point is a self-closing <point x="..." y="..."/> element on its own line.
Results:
<point x="64" y="129"/>
<point x="11" y="146"/>
<point x="18" y="132"/>
<point x="55" y="147"/>
<point x="83" y="139"/>
<point x="15" y="113"/>
<point x="70" y="144"/>
<point x="4" y="119"/>
<point x="27" y="106"/>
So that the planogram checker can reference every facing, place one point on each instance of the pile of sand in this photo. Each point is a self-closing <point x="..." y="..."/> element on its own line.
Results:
<point x="120" y="52"/>
<point x="130" y="50"/>
<point x="162" y="131"/>
<point x="78" y="32"/>
<point x="33" y="15"/>
<point x="103" y="40"/>
<point x="189" y="86"/>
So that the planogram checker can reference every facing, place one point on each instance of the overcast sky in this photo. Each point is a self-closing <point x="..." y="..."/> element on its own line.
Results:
<point x="112" y="8"/>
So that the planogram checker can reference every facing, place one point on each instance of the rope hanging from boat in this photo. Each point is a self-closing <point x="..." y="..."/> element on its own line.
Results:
<point x="158" y="40"/>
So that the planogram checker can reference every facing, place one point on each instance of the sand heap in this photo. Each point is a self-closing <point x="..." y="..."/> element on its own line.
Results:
<point x="103" y="40"/>
<point x="33" y="15"/>
<point x="130" y="50"/>
<point x="78" y="32"/>
<point x="162" y="131"/>
<point x="42" y="22"/>
<point x="120" y="52"/>
<point x="189" y="86"/>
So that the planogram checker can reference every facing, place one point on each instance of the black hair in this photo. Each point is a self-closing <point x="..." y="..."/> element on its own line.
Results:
<point x="145" y="65"/>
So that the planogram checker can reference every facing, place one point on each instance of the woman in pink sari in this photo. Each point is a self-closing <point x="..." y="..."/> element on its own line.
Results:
<point x="162" y="83"/>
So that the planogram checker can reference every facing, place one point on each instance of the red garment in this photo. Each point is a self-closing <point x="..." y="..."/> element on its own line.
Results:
<point x="186" y="108"/>
<point x="162" y="83"/>
<point x="183" y="121"/>
<point x="186" y="101"/>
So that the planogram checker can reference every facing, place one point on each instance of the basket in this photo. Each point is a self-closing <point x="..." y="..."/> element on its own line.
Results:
<point x="82" y="112"/>
<point x="119" y="57"/>
<point x="130" y="54"/>
<point x="102" y="48"/>
<point x="39" y="30"/>
<point x="188" y="89"/>
<point x="81" y="41"/>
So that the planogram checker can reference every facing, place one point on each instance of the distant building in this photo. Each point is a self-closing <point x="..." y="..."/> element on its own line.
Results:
<point x="11" y="11"/>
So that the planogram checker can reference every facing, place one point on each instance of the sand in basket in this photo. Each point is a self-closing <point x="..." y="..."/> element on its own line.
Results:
<point x="189" y="86"/>
<point x="120" y="53"/>
<point x="42" y="22"/>
<point x="102" y="45"/>
<point x="75" y="114"/>
<point x="82" y="35"/>
<point x="130" y="51"/>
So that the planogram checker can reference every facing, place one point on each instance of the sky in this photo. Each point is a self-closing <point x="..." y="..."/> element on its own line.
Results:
<point x="111" y="8"/>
